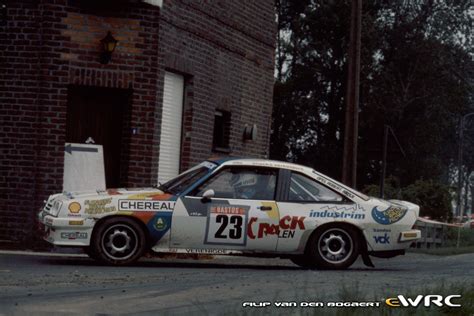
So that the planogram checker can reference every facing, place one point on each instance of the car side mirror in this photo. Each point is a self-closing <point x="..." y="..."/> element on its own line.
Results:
<point x="208" y="195"/>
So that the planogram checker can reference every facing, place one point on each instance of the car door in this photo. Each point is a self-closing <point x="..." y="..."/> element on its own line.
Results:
<point x="242" y="214"/>
<point x="312" y="204"/>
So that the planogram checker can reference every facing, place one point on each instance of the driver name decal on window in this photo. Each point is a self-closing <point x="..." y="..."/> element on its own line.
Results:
<point x="227" y="225"/>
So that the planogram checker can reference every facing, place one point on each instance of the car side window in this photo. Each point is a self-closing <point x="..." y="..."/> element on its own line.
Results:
<point x="242" y="183"/>
<point x="305" y="189"/>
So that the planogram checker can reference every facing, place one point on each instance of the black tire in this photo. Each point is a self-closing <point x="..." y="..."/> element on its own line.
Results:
<point x="90" y="252"/>
<point x="118" y="241"/>
<point x="303" y="262"/>
<point x="333" y="247"/>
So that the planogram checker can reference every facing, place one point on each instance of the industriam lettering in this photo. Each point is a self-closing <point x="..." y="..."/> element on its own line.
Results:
<point x="335" y="214"/>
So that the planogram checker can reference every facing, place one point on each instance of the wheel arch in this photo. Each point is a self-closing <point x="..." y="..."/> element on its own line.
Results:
<point x="136" y="220"/>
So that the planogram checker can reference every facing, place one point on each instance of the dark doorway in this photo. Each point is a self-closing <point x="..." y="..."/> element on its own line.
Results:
<point x="99" y="113"/>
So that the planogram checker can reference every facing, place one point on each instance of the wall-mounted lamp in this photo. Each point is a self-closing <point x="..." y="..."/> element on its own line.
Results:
<point x="3" y="12"/>
<point x="250" y="132"/>
<point x="108" y="46"/>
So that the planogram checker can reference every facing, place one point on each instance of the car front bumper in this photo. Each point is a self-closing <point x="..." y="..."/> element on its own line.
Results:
<point x="65" y="231"/>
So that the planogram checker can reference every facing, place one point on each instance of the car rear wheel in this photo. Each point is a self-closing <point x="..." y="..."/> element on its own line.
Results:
<point x="118" y="241"/>
<point x="334" y="247"/>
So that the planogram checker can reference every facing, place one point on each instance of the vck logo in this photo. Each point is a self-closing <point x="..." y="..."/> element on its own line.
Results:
<point x="385" y="239"/>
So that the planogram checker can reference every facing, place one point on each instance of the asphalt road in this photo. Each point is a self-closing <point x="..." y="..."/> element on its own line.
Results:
<point x="39" y="284"/>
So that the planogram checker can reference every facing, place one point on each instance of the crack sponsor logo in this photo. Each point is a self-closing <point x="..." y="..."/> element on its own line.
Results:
<point x="73" y="235"/>
<point x="285" y="228"/>
<point x="337" y="214"/>
<point x="93" y="207"/>
<point x="145" y="205"/>
<point x="384" y="239"/>
<point x="389" y="216"/>
<point x="424" y="300"/>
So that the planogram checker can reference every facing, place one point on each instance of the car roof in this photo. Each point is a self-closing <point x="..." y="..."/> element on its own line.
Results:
<point x="233" y="161"/>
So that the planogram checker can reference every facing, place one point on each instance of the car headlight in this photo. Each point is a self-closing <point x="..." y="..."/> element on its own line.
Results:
<point x="53" y="207"/>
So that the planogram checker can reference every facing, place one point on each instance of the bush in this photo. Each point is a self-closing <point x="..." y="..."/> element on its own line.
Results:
<point x="433" y="197"/>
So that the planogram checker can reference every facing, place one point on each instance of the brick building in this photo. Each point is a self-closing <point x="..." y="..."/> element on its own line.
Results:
<point x="184" y="81"/>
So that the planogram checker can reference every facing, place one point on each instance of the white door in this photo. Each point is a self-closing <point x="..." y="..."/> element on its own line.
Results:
<point x="170" y="140"/>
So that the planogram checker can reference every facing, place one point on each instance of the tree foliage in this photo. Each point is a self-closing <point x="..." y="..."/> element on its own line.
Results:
<point x="416" y="76"/>
<point x="433" y="197"/>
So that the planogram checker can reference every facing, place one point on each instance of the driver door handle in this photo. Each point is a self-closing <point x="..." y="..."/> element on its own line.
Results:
<point x="265" y="208"/>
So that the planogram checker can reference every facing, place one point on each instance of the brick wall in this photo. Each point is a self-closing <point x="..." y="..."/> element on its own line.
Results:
<point x="226" y="50"/>
<point x="44" y="47"/>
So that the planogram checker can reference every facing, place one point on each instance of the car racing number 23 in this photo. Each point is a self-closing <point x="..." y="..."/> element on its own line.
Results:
<point x="227" y="225"/>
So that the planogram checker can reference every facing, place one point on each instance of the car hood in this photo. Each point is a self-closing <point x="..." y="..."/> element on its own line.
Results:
<point x="125" y="192"/>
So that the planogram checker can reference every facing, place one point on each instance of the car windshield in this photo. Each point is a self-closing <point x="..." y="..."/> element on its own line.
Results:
<point x="187" y="178"/>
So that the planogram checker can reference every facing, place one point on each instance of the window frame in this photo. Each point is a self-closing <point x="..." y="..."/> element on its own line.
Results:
<point x="286" y="195"/>
<point x="276" y="193"/>
<point x="226" y="117"/>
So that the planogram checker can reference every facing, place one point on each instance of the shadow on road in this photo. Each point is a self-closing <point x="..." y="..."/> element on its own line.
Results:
<point x="185" y="263"/>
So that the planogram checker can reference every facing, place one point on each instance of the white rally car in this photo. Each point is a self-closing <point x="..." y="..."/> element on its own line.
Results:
<point x="247" y="207"/>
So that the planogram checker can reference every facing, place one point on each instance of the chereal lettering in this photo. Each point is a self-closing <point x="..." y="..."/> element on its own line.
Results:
<point x="145" y="205"/>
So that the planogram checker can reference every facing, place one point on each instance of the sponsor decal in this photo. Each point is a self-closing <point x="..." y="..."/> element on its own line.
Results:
<point x="331" y="184"/>
<point x="74" y="207"/>
<point x="146" y="205"/>
<point x="382" y="230"/>
<point x="424" y="300"/>
<point x="383" y="239"/>
<point x="349" y="194"/>
<point x="226" y="225"/>
<point x="48" y="221"/>
<point x="228" y="209"/>
<point x="207" y="251"/>
<point x="161" y="223"/>
<point x="98" y="206"/>
<point x="337" y="214"/>
<point x="285" y="228"/>
<point x="73" y="235"/>
<point x="76" y="223"/>
<point x="278" y="165"/>
<point x="389" y="216"/>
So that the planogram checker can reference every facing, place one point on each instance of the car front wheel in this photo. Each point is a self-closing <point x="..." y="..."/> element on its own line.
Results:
<point x="334" y="247"/>
<point x="118" y="241"/>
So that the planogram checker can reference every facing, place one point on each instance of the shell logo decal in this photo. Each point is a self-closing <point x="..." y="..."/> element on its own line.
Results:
<point x="74" y="207"/>
<point x="391" y="215"/>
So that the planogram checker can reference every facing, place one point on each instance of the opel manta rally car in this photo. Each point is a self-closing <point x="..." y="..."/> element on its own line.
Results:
<point x="247" y="207"/>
